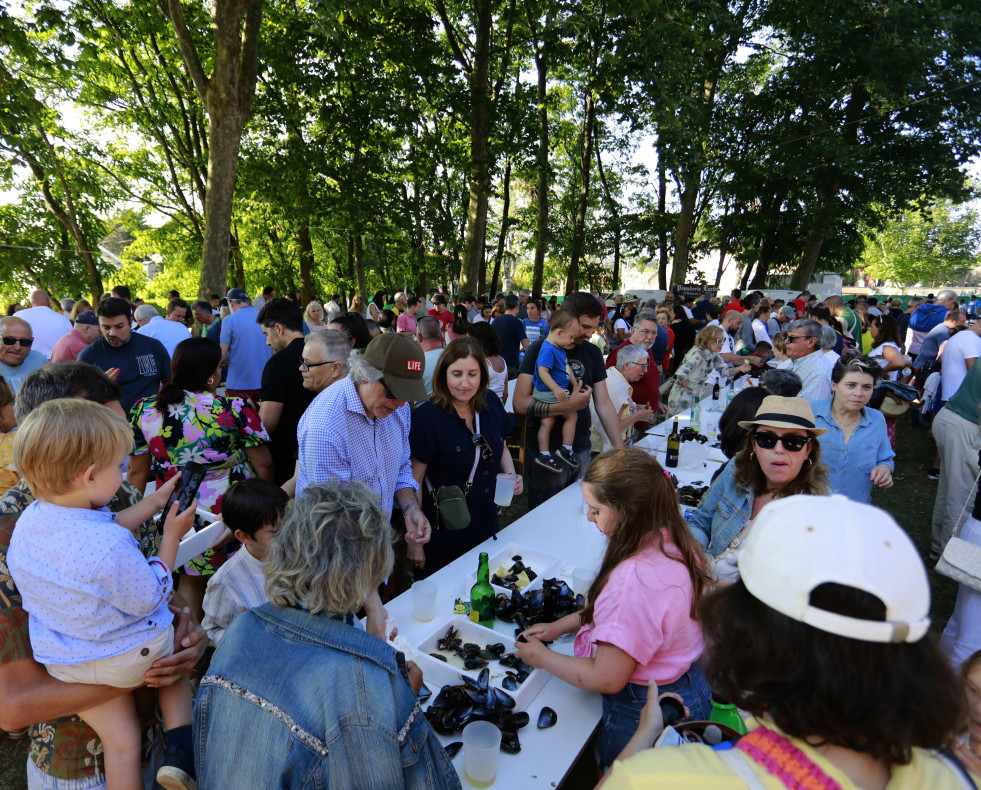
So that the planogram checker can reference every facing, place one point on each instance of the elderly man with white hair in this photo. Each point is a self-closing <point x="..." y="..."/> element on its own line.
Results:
<point x="170" y="330"/>
<point x="632" y="363"/>
<point x="47" y="326"/>
<point x="17" y="357"/>
<point x="803" y="346"/>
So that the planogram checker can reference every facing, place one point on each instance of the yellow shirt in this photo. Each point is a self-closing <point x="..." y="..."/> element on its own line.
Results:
<point x="697" y="766"/>
<point x="8" y="475"/>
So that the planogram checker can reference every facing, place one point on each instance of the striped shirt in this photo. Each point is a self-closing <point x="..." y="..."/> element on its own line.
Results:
<point x="814" y="373"/>
<point x="238" y="585"/>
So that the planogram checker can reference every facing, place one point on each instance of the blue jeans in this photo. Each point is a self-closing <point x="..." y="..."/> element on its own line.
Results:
<point x="621" y="712"/>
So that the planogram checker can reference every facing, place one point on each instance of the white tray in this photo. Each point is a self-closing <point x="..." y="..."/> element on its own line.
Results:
<point x="438" y="673"/>
<point x="540" y="562"/>
<point x="196" y="542"/>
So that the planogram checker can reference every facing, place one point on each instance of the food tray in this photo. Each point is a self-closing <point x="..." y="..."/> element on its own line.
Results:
<point x="540" y="562"/>
<point x="437" y="674"/>
<point x="196" y="542"/>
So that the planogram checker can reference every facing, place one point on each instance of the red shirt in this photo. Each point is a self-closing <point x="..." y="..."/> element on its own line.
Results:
<point x="68" y="347"/>
<point x="799" y="305"/>
<point x="445" y="318"/>
<point x="733" y="305"/>
<point x="646" y="389"/>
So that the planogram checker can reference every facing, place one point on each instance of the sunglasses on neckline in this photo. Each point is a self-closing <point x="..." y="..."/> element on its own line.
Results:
<point x="486" y="453"/>
<point x="791" y="442"/>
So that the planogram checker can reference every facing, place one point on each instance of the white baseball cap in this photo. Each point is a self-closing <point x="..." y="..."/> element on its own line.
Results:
<point x="801" y="542"/>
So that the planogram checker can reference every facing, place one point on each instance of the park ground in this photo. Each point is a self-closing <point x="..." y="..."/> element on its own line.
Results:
<point x="910" y="501"/>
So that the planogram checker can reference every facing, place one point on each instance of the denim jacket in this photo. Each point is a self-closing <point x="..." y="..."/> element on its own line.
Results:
<point x="724" y="510"/>
<point x="296" y="700"/>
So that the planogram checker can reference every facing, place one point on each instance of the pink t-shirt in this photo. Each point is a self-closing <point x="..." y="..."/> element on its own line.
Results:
<point x="644" y="610"/>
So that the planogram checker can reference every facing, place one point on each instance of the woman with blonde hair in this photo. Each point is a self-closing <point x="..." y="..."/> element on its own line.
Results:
<point x="79" y="307"/>
<point x="313" y="316"/>
<point x="639" y="624"/>
<point x="701" y="359"/>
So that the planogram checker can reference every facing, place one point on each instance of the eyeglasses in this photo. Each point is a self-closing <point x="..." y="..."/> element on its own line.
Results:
<point x="645" y="332"/>
<point x="720" y="341"/>
<point x="794" y="338"/>
<point x="642" y="366"/>
<point x="791" y="443"/>
<point x="25" y="342"/>
<point x="306" y="366"/>
<point x="486" y="453"/>
<point x="388" y="393"/>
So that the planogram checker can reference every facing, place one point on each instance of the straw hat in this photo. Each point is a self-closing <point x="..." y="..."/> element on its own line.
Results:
<point x="892" y="406"/>
<point x="778" y="412"/>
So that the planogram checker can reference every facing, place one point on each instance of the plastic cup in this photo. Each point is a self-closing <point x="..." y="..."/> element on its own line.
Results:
<point x="504" y="492"/>
<point x="481" y="751"/>
<point x="424" y="600"/>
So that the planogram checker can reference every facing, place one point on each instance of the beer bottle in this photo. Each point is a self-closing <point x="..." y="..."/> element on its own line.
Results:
<point x="482" y="595"/>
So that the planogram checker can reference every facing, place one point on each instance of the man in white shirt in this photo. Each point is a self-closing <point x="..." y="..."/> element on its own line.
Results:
<point x="267" y="293"/>
<point x="803" y="346"/>
<point x="47" y="325"/>
<point x="958" y="355"/>
<point x="332" y="309"/>
<point x="170" y="331"/>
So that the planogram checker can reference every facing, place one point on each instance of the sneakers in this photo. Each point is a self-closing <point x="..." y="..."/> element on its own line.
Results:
<point x="549" y="462"/>
<point x="17" y="735"/>
<point x="177" y="771"/>
<point x="171" y="777"/>
<point x="567" y="457"/>
<point x="933" y="474"/>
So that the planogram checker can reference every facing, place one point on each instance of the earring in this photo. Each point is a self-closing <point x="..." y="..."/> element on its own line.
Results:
<point x="809" y="462"/>
<point x="211" y="381"/>
<point x="752" y="455"/>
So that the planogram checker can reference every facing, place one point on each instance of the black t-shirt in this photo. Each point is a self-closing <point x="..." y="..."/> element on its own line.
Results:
<point x="143" y="363"/>
<point x="283" y="383"/>
<point x="586" y="361"/>
<point x="511" y="331"/>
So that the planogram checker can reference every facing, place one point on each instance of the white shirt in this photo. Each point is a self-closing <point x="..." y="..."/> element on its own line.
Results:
<point x="238" y="585"/>
<point x="332" y="309"/>
<point x="88" y="589"/>
<point x="688" y="311"/>
<point x="879" y="355"/>
<point x="258" y="302"/>
<point x="47" y="325"/>
<point x="619" y="391"/>
<point x="170" y="333"/>
<point x="961" y="347"/>
<point x="622" y="324"/>
<point x="760" y="333"/>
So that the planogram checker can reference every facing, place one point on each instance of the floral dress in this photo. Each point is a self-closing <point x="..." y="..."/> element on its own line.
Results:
<point x="693" y="370"/>
<point x="209" y="430"/>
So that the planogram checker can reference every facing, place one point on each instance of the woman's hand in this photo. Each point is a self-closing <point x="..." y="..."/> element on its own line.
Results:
<point x="532" y="652"/>
<point x="642" y="415"/>
<point x="519" y="485"/>
<point x="417" y="529"/>
<point x="970" y="760"/>
<point x="415" y="675"/>
<point x="882" y="476"/>
<point x="416" y="554"/>
<point x="547" y="632"/>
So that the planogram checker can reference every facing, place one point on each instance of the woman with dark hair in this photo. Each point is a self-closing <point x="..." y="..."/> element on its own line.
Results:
<point x="458" y="439"/>
<point x="684" y="334"/>
<point x="387" y="321"/>
<point x="497" y="368"/>
<point x="460" y="326"/>
<point x="355" y="327"/>
<point x="831" y="653"/>
<point x="376" y="305"/>
<point x="781" y="456"/>
<point x="187" y="422"/>
<point x="887" y="347"/>
<point x="743" y="407"/>
<point x="639" y="624"/>
<point x="623" y="323"/>
<point x="856" y="445"/>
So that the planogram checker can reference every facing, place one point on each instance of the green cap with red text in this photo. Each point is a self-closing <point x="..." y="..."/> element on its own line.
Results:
<point x="401" y="360"/>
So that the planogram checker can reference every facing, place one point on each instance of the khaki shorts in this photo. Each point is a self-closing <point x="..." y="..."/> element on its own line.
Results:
<point x="122" y="671"/>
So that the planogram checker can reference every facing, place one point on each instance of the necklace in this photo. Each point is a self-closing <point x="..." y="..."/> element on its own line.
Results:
<point x="844" y="422"/>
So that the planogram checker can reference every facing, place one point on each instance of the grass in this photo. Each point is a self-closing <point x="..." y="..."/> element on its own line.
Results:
<point x="910" y="501"/>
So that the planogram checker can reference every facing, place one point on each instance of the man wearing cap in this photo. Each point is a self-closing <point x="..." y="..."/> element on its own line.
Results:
<point x="243" y="348"/>
<point x="86" y="330"/>
<point x="358" y="428"/>
<point x="803" y="345"/>
<point x="47" y="326"/>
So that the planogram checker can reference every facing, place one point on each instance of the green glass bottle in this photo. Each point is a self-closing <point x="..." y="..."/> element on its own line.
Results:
<point x="724" y="712"/>
<point x="482" y="595"/>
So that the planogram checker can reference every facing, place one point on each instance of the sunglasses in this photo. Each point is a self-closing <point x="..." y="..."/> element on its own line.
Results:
<point x="486" y="453"/>
<point x="388" y="393"/>
<point x="25" y="342"/>
<point x="794" y="338"/>
<point x="791" y="443"/>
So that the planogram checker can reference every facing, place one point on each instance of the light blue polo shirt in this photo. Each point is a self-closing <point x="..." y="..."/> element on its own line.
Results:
<point x="248" y="352"/>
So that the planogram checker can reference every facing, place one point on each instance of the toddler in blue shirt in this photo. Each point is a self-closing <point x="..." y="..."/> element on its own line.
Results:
<point x="98" y="609"/>
<point x="551" y="384"/>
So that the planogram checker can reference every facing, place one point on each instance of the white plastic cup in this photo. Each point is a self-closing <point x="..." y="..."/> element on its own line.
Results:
<point x="424" y="600"/>
<point x="504" y="492"/>
<point x="481" y="751"/>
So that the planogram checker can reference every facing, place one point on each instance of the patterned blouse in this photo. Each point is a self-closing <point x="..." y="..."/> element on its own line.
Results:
<point x="209" y="430"/>
<point x="693" y="370"/>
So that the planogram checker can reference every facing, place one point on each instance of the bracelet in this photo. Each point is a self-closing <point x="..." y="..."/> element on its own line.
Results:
<point x="406" y="507"/>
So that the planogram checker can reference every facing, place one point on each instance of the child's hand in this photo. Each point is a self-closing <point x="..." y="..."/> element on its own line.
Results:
<point x="562" y="396"/>
<point x="179" y="524"/>
<point x="162" y="494"/>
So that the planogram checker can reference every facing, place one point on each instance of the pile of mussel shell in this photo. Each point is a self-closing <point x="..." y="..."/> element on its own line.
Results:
<point x="689" y="434"/>
<point x="510" y="579"/>
<point x="477" y="700"/>
<point x="474" y="656"/>
<point x="691" y="495"/>
<point x="555" y="599"/>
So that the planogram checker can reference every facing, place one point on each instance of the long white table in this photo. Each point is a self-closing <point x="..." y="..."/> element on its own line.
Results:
<point x="559" y="527"/>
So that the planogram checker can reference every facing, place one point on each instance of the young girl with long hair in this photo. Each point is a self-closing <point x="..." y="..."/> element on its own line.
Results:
<point x="639" y="623"/>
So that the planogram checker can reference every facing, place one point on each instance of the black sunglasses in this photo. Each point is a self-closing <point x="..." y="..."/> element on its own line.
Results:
<point x="26" y="342"/>
<point x="388" y="393"/>
<point x="486" y="453"/>
<point x="791" y="443"/>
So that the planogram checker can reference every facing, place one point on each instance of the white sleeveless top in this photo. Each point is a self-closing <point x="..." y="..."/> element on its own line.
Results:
<point x="878" y="354"/>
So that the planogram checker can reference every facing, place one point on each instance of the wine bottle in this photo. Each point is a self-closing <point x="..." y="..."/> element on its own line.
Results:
<point x="696" y="416"/>
<point x="674" y="446"/>
<point x="482" y="595"/>
<point x="715" y="390"/>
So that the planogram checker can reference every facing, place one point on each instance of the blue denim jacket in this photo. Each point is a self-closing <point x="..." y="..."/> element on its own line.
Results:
<point x="296" y="700"/>
<point x="850" y="465"/>
<point x="724" y="510"/>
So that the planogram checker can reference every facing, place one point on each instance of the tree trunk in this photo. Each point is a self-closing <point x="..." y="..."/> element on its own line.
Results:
<point x="306" y="261"/>
<point x="479" y="136"/>
<point x="662" y="233"/>
<point x="236" y="252"/>
<point x="723" y="251"/>
<point x="359" y="267"/>
<point x="684" y="227"/>
<point x="502" y="236"/>
<point x="582" y="204"/>
<point x="541" y="240"/>
<point x="614" y="209"/>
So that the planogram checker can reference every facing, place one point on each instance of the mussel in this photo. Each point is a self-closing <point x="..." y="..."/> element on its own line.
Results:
<point x="453" y="748"/>
<point x="546" y="718"/>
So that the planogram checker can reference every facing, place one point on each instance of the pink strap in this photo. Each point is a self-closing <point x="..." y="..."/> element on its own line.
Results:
<point x="784" y="761"/>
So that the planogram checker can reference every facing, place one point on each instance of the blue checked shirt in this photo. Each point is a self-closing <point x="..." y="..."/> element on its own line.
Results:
<point x="337" y="439"/>
<point x="815" y="374"/>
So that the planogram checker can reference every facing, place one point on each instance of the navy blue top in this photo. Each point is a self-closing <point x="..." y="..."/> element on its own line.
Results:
<point x="143" y="364"/>
<point x="511" y="331"/>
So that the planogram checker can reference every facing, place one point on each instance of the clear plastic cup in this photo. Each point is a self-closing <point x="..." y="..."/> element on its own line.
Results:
<point x="424" y="600"/>
<point x="481" y="751"/>
<point x="504" y="492"/>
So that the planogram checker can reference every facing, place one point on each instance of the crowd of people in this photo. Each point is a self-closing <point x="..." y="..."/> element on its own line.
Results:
<point x="345" y="450"/>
